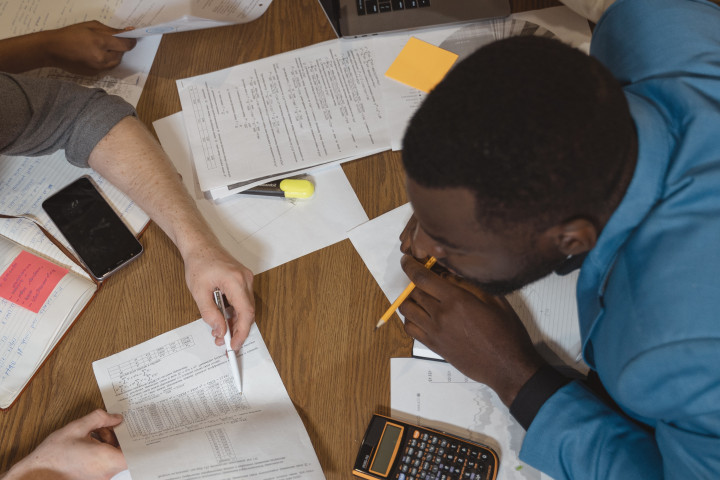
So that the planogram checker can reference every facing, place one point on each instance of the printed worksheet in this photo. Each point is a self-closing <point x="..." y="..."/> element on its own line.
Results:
<point x="547" y="307"/>
<point x="419" y="395"/>
<point x="283" y="114"/>
<point x="264" y="232"/>
<point x="184" y="418"/>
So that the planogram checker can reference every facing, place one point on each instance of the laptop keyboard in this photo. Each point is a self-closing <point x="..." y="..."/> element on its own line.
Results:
<point x="381" y="6"/>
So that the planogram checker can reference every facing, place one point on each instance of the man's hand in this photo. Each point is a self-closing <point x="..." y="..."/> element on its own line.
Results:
<point x="86" y="48"/>
<point x="212" y="268"/>
<point x="81" y="449"/>
<point x="477" y="333"/>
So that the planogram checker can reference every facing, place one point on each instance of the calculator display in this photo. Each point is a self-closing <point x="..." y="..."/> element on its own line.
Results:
<point x="387" y="449"/>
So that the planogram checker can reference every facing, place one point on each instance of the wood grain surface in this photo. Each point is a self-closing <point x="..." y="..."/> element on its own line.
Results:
<point x="316" y="314"/>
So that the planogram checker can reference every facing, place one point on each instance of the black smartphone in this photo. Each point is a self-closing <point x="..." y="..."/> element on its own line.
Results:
<point x="92" y="228"/>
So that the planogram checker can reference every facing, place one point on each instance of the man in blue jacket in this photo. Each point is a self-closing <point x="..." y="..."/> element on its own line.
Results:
<point x="531" y="157"/>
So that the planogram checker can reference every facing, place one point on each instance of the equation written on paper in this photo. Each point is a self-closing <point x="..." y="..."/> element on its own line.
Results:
<point x="289" y="112"/>
<point x="29" y="280"/>
<point x="135" y="373"/>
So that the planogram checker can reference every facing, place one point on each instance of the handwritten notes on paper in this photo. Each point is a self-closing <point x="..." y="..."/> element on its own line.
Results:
<point x="421" y="65"/>
<point x="29" y="336"/>
<point x="29" y="280"/>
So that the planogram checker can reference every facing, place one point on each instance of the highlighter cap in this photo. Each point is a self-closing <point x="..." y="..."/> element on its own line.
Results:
<point x="297" y="188"/>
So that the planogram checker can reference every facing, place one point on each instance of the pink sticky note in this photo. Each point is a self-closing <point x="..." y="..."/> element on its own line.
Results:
<point x="29" y="281"/>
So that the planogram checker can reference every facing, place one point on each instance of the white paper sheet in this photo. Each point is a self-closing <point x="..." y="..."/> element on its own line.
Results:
<point x="27" y="16"/>
<point x="184" y="418"/>
<point x="419" y="394"/>
<point x="401" y="101"/>
<point x="264" y="232"/>
<point x="285" y="113"/>
<point x="547" y="307"/>
<point x="153" y="17"/>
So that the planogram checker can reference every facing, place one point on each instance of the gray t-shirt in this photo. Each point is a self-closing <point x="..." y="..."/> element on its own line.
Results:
<point x="39" y="116"/>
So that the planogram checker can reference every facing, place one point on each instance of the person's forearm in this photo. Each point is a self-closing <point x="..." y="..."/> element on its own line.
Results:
<point x="131" y="159"/>
<point x="23" y="53"/>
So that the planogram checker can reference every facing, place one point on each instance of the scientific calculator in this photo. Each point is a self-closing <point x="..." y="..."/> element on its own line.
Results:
<point x="397" y="450"/>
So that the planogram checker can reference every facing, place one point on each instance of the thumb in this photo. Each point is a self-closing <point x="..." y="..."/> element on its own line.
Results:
<point x="95" y="420"/>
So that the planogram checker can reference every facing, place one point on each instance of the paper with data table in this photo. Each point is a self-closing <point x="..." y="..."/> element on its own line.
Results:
<point x="283" y="114"/>
<point x="184" y="418"/>
<point x="419" y="394"/>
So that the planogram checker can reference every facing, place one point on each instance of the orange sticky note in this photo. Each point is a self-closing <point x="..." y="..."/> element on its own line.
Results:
<point x="421" y="65"/>
<point x="29" y="281"/>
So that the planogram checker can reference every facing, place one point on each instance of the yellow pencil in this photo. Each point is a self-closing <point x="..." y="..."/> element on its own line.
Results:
<point x="396" y="304"/>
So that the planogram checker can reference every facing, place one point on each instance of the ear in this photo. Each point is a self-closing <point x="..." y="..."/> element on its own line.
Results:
<point x="575" y="236"/>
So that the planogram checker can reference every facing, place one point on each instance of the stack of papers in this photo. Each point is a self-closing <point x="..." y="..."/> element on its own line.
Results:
<point x="284" y="114"/>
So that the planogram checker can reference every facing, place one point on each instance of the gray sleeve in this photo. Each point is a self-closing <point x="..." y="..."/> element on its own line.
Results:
<point x="39" y="116"/>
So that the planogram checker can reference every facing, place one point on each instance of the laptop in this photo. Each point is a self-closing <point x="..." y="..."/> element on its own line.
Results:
<point x="356" y="18"/>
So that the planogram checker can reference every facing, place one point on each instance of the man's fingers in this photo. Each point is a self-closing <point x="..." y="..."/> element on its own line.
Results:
<point x="95" y="420"/>
<point x="243" y="304"/>
<point x="417" y="316"/>
<point x="423" y="278"/>
<point x="426" y="302"/>
<point x="120" y="45"/>
<point x="105" y="435"/>
<point x="210" y="313"/>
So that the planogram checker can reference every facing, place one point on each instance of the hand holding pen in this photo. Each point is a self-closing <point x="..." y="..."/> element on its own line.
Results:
<point x="232" y="358"/>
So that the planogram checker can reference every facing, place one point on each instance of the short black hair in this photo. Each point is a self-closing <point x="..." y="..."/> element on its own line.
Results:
<point x="539" y="131"/>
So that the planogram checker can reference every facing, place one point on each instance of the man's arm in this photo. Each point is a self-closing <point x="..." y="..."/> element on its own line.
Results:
<point x="99" y="130"/>
<point x="86" y="48"/>
<point x="130" y="158"/>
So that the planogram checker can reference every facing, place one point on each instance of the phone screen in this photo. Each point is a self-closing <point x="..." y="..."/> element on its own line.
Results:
<point x="91" y="226"/>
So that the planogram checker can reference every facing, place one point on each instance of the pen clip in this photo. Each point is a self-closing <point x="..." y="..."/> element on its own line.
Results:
<point x="220" y="302"/>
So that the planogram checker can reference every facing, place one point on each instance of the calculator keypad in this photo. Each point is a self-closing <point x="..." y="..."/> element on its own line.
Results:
<point x="428" y="456"/>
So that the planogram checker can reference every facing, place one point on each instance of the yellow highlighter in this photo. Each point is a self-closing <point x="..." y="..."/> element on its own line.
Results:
<point x="288" y="188"/>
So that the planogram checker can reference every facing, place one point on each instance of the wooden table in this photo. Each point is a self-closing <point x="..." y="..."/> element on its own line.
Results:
<point x="316" y="313"/>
